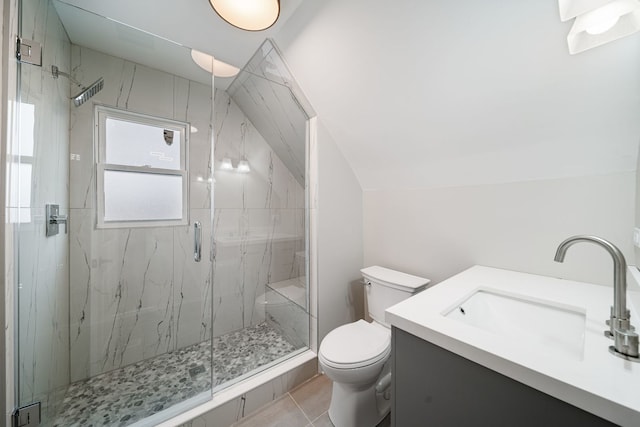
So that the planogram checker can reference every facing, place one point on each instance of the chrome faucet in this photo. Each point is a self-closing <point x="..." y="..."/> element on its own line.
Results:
<point x="620" y="329"/>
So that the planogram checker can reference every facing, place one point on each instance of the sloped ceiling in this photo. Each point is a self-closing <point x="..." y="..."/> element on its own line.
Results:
<point x="463" y="92"/>
<point x="434" y="93"/>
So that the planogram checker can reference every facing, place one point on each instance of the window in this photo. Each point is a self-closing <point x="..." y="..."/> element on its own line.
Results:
<point x="141" y="170"/>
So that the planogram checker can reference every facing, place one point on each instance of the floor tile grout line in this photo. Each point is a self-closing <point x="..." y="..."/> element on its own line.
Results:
<point x="320" y="416"/>
<point x="299" y="407"/>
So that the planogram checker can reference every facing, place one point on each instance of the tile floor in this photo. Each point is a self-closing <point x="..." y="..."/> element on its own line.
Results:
<point x="304" y="406"/>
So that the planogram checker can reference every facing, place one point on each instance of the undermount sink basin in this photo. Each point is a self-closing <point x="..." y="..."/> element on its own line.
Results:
<point x="542" y="325"/>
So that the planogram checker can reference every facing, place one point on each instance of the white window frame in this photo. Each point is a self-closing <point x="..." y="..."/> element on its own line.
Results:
<point x="101" y="114"/>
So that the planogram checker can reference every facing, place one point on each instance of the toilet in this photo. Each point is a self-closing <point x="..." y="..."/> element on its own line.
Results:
<point x="354" y="356"/>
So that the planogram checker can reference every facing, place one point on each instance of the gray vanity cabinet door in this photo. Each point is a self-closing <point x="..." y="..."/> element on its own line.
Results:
<point x="433" y="387"/>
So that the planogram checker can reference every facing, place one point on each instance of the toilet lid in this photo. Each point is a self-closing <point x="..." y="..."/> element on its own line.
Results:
<point x="356" y="344"/>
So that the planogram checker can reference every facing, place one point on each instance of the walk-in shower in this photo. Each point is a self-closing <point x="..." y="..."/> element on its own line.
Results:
<point x="174" y="277"/>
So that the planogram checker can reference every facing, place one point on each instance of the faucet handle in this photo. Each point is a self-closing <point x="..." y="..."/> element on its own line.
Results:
<point x="614" y="323"/>
<point x="625" y="343"/>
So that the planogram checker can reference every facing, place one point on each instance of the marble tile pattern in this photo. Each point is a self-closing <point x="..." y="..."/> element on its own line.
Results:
<point x="268" y="62"/>
<point x="259" y="221"/>
<point x="286" y="312"/>
<point x="136" y="292"/>
<point x="263" y="90"/>
<point x="126" y="395"/>
<point x="269" y="96"/>
<point x="38" y="175"/>
<point x="133" y="293"/>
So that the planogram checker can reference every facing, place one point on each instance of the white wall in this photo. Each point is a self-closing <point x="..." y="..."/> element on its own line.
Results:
<point x="439" y="232"/>
<point x="475" y="135"/>
<point x="340" y="293"/>
<point x="460" y="92"/>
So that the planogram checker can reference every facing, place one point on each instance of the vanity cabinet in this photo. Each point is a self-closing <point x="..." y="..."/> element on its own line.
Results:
<point x="432" y="386"/>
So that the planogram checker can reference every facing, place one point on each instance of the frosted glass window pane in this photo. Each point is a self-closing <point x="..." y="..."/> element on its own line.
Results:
<point x="137" y="144"/>
<point x="133" y="196"/>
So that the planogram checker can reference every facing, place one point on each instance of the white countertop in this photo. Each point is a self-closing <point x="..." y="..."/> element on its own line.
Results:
<point x="601" y="383"/>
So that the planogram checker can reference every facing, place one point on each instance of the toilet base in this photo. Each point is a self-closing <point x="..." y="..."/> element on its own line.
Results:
<point x="357" y="407"/>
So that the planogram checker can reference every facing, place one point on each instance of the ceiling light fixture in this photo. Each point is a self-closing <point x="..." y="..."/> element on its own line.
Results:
<point x="212" y="65"/>
<point x="250" y="15"/>
<point x="599" y="21"/>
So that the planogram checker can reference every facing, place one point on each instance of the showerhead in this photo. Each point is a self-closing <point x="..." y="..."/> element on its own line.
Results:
<point x="88" y="92"/>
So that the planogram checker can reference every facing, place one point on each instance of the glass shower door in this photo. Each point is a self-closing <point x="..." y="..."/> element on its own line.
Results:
<point x="114" y="311"/>
<point x="261" y="280"/>
<point x="39" y="172"/>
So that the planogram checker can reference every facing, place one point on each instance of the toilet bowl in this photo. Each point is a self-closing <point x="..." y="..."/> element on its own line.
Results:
<point x="355" y="356"/>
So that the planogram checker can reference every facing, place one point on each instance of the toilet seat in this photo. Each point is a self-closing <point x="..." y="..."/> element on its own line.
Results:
<point x="355" y="345"/>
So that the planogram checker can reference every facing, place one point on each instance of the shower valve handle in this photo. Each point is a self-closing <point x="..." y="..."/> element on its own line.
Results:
<point x="53" y="219"/>
<point x="59" y="219"/>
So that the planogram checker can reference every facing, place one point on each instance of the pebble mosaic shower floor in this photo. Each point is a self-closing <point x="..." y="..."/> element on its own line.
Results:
<point x="124" y="396"/>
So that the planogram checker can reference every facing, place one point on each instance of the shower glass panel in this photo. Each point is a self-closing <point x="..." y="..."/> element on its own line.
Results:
<point x="260" y="282"/>
<point x="114" y="313"/>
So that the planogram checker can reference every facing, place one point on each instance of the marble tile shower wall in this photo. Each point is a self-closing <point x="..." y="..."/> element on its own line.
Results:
<point x="136" y="292"/>
<point x="39" y="170"/>
<point x="267" y="86"/>
<point x="269" y="96"/>
<point x="259" y="221"/>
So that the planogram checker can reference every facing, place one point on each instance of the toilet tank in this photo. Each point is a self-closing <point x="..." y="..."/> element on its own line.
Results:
<point x="385" y="287"/>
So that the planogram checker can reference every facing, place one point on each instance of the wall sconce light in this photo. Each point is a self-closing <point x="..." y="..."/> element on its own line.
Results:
<point x="599" y="21"/>
<point x="250" y="15"/>
<point x="227" y="165"/>
<point x="200" y="178"/>
<point x="243" y="166"/>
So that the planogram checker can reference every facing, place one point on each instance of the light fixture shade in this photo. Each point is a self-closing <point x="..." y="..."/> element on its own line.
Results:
<point x="210" y="64"/>
<point x="226" y="164"/>
<point x="243" y="166"/>
<point x="571" y="8"/>
<point x="616" y="19"/>
<point x="250" y="15"/>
